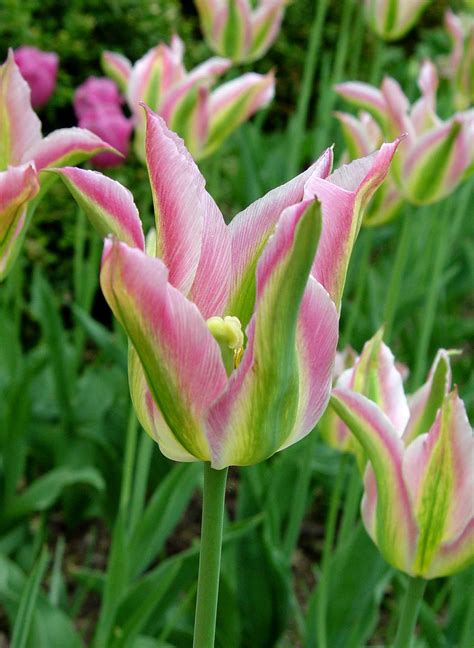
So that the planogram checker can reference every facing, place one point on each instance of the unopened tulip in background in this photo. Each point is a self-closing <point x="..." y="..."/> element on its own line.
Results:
<point x="418" y="506"/>
<point x="203" y="118"/>
<point x="24" y="153"/>
<point x="40" y="70"/>
<point x="98" y="107"/>
<point x="436" y="155"/>
<point x="392" y="19"/>
<point x="458" y="67"/>
<point x="232" y="329"/>
<point x="240" y="30"/>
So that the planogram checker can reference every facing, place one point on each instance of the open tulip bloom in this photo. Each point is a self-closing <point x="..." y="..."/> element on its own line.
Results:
<point x="24" y="153"/>
<point x="418" y="505"/>
<point x="232" y="329"/>
<point x="203" y="118"/>
<point x="235" y="30"/>
<point x="436" y="155"/>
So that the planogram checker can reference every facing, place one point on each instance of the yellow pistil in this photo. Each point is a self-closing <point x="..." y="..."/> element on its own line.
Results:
<point x="228" y="332"/>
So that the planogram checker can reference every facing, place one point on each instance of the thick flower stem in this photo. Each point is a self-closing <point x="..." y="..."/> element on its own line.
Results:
<point x="411" y="607"/>
<point x="210" y="556"/>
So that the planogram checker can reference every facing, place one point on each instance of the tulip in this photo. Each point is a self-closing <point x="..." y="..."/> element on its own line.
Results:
<point x="24" y="153"/>
<point x="39" y="69"/>
<point x="435" y="156"/>
<point x="232" y="329"/>
<point x="459" y="66"/>
<point x="204" y="118"/>
<point x="392" y="19"/>
<point x="114" y="128"/>
<point x="96" y="92"/>
<point x="362" y="136"/>
<point x="418" y="506"/>
<point x="234" y="29"/>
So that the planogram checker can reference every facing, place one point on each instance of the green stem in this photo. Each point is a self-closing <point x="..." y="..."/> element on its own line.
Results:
<point x="299" y="123"/>
<point x="362" y="271"/>
<point x="351" y="504"/>
<point x="396" y="276"/>
<point x="411" y="607"/>
<point x="321" y="611"/>
<point x="129" y="461"/>
<point x="300" y="498"/>
<point x="210" y="556"/>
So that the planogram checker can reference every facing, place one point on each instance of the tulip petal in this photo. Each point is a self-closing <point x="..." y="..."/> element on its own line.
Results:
<point x="426" y="401"/>
<point x="344" y="196"/>
<point x="439" y="160"/>
<point x="357" y="136"/>
<point x="20" y="128"/>
<point x="235" y="36"/>
<point x="395" y="529"/>
<point x="233" y="103"/>
<point x="148" y="413"/>
<point x="365" y="97"/>
<point x="453" y="556"/>
<point x="108" y="204"/>
<point x="188" y="222"/>
<point x="438" y="468"/>
<point x="316" y="343"/>
<point x="117" y="67"/>
<point x="376" y="376"/>
<point x="266" y="23"/>
<point x="257" y="413"/>
<point x="66" y="146"/>
<point x="18" y="185"/>
<point x="181" y="359"/>
<point x="251" y="228"/>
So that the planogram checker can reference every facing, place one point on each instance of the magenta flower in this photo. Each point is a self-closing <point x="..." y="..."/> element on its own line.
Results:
<point x="418" y="506"/>
<point x="436" y="155"/>
<point x="24" y="153"/>
<point x="39" y="69"/>
<point x="203" y="118"/>
<point x="238" y="30"/>
<point x="96" y="92"/>
<point x="202" y="388"/>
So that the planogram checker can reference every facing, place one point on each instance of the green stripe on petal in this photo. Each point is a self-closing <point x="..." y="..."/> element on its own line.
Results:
<point x="257" y="413"/>
<point x="395" y="530"/>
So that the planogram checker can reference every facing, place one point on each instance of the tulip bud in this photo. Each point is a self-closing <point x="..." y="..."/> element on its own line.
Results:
<point x="40" y="70"/>
<point x="95" y="92"/>
<point x="235" y="30"/>
<point x="392" y="19"/>
<point x="458" y="67"/>
<point x="114" y="128"/>
<point x="418" y="506"/>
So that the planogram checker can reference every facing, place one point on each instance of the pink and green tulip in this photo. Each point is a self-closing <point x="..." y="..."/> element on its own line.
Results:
<point x="435" y="155"/>
<point x="418" y="506"/>
<point x="458" y="67"/>
<point x="392" y="19"/>
<point x="236" y="30"/>
<point x="24" y="154"/>
<point x="203" y="118"/>
<point x="233" y="329"/>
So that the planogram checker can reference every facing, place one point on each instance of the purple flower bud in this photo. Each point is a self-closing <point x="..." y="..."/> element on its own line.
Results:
<point x="109" y="123"/>
<point x="96" y="92"/>
<point x="40" y="70"/>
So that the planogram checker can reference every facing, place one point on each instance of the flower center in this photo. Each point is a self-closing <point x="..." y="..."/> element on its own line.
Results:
<point x="228" y="332"/>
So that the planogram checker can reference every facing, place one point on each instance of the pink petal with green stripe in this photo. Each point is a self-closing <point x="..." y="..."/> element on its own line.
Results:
<point x="109" y="206"/>
<point x="188" y="222"/>
<point x="440" y="160"/>
<point x="423" y="113"/>
<point x="344" y="196"/>
<point x="233" y="103"/>
<point x="117" y="67"/>
<point x="365" y="97"/>
<point x="20" y="128"/>
<point x="181" y="360"/>
<point x="395" y="530"/>
<point x="18" y="185"/>
<point x="357" y="136"/>
<point x="426" y="401"/>
<point x="257" y="413"/>
<point x="66" y="147"/>
<point x="452" y="557"/>
<point x="251" y="228"/>
<point x="148" y="413"/>
<point x="438" y="468"/>
<point x="232" y="30"/>
<point x="266" y="23"/>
